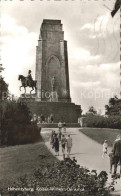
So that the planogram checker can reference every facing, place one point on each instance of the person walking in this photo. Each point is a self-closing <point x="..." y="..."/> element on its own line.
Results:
<point x="111" y="156"/>
<point x="60" y="125"/>
<point x="69" y="145"/>
<point x="64" y="127"/>
<point x="51" y="138"/>
<point x="56" y="145"/>
<point x="42" y="118"/>
<point x="117" y="153"/>
<point x="63" y="143"/>
<point x="105" y="148"/>
<point x="48" y="119"/>
<point x="59" y="135"/>
<point x="51" y="118"/>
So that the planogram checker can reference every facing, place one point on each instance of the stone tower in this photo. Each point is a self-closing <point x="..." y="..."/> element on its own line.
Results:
<point x="52" y="77"/>
<point x="52" y="73"/>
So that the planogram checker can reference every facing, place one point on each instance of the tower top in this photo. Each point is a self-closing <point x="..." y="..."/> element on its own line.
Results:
<point x="51" y="25"/>
<point x="51" y="22"/>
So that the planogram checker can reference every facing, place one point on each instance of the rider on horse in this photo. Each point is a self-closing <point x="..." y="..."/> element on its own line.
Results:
<point x="27" y="81"/>
<point x="29" y="78"/>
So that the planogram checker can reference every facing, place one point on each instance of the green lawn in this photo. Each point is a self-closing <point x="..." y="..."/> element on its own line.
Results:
<point x="99" y="135"/>
<point x="19" y="160"/>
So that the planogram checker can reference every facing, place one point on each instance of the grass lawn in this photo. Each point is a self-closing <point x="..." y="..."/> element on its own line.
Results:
<point x="19" y="160"/>
<point x="99" y="135"/>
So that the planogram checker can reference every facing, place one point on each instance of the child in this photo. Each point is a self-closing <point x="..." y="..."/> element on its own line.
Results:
<point x="105" y="148"/>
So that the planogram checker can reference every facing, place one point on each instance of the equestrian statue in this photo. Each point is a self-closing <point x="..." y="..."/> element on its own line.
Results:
<point x="27" y="82"/>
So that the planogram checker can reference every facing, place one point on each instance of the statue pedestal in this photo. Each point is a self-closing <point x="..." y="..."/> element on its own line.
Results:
<point x="61" y="111"/>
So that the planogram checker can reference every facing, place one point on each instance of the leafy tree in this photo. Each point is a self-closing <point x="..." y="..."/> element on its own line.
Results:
<point x="3" y="89"/>
<point x="3" y="84"/>
<point x="17" y="127"/>
<point x="3" y="94"/>
<point x="114" y="107"/>
<point x="92" y="110"/>
<point x="1" y="68"/>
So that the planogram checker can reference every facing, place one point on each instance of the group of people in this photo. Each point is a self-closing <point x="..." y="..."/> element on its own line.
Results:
<point x="114" y="155"/>
<point x="48" y="119"/>
<point x="58" y="139"/>
<point x="42" y="119"/>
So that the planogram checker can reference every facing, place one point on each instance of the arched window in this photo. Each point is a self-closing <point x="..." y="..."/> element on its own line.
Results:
<point x="51" y="59"/>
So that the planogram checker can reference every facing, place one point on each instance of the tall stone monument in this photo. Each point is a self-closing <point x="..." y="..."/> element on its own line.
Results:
<point x="52" y="61"/>
<point x="52" y="75"/>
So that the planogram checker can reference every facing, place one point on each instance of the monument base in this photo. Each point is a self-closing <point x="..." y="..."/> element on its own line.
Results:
<point x="61" y="111"/>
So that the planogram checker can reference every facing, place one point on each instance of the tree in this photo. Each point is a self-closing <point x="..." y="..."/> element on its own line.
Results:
<point x="1" y="68"/>
<point x="3" y="94"/>
<point x="92" y="110"/>
<point x="3" y="89"/>
<point x="114" y="107"/>
<point x="17" y="127"/>
<point x="3" y="84"/>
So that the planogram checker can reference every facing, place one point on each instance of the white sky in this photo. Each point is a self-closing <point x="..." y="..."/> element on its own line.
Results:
<point x="93" y="45"/>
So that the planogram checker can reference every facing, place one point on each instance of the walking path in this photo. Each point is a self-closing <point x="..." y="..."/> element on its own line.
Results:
<point x="87" y="152"/>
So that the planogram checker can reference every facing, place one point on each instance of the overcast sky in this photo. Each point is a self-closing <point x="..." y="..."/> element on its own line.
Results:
<point x="93" y="45"/>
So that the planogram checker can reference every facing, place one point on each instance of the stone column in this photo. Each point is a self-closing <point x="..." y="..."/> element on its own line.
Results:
<point x="64" y="70"/>
<point x="39" y="69"/>
<point x="67" y="71"/>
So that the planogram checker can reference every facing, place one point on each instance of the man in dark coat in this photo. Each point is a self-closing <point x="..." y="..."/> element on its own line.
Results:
<point x="117" y="154"/>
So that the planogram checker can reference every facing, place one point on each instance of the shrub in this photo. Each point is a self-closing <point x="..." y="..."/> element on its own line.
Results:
<point x="23" y="134"/>
<point x="66" y="176"/>
<point x="17" y="127"/>
<point x="103" y="122"/>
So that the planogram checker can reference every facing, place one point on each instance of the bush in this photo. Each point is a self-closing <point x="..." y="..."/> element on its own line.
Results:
<point x="23" y="134"/>
<point x="97" y="121"/>
<point x="17" y="127"/>
<point x="66" y="176"/>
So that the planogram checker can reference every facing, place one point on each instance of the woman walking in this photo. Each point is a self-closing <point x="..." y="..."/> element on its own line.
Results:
<point x="63" y="143"/>
<point x="59" y="135"/>
<point x="64" y="127"/>
<point x="51" y="138"/>
<point x="69" y="145"/>
<point x="56" y="145"/>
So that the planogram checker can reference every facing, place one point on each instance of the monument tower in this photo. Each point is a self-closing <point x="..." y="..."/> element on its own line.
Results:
<point x="52" y="76"/>
<point x="52" y="73"/>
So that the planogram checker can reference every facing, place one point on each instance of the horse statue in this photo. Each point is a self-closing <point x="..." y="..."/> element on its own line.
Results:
<point x="26" y="82"/>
